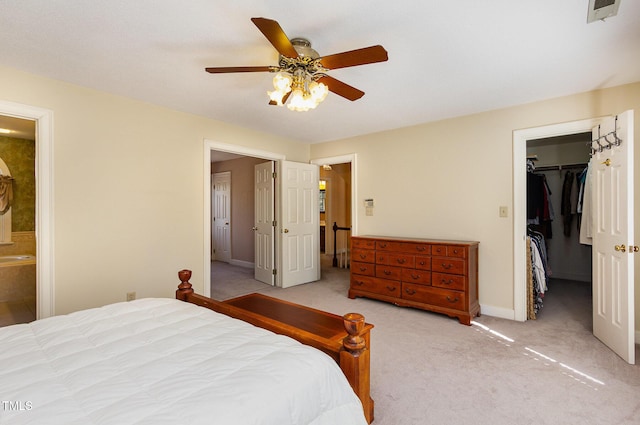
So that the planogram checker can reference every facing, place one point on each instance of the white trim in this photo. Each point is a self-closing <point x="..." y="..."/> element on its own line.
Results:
<point x="520" y="138"/>
<point x="211" y="145"/>
<point x="45" y="272"/>
<point x="343" y="159"/>
<point x="242" y="263"/>
<point x="503" y="313"/>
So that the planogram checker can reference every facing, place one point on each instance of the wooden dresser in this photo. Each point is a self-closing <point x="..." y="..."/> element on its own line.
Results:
<point x="434" y="275"/>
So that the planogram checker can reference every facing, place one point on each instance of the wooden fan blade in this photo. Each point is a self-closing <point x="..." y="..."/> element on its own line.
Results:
<point x="276" y="36"/>
<point x="225" y="69"/>
<point x="340" y="88"/>
<point x="362" y="56"/>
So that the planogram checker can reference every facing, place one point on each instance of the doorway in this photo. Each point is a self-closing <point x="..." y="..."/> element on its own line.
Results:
<point x="556" y="174"/>
<point x="520" y="138"/>
<point x="45" y="276"/>
<point x="240" y="233"/>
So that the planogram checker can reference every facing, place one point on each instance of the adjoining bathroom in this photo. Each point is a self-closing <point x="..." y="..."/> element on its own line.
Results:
<point x="17" y="221"/>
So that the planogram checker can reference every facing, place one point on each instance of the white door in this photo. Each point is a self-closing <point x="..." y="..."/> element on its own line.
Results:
<point x="264" y="225"/>
<point x="613" y="258"/>
<point x="221" y="216"/>
<point x="300" y="228"/>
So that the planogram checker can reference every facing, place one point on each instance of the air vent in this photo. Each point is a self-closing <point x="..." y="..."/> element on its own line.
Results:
<point x="602" y="9"/>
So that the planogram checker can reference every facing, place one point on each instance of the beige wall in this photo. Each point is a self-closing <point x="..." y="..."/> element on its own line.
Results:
<point x="447" y="179"/>
<point x="128" y="189"/>
<point x="128" y="184"/>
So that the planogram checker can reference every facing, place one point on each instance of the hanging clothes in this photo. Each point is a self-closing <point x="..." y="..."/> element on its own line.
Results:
<point x="538" y="273"/>
<point x="567" y="208"/>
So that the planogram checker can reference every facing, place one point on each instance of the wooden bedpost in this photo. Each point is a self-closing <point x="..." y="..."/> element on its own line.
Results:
<point x="184" y="289"/>
<point x="354" y="361"/>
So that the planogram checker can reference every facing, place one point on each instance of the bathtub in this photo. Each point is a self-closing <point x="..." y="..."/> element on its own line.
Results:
<point x="18" y="278"/>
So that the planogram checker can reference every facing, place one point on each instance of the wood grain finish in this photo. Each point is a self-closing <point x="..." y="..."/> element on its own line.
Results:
<point x="434" y="275"/>
<point x="346" y="339"/>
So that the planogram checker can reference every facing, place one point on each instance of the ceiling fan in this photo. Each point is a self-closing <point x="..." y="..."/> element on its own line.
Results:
<point x="301" y="75"/>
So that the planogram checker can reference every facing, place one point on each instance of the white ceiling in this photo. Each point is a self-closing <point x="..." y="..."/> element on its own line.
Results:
<point x="446" y="58"/>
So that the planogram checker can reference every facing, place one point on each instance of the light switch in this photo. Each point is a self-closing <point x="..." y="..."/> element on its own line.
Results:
<point x="504" y="211"/>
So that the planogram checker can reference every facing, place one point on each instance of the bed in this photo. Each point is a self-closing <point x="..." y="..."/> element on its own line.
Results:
<point x="181" y="361"/>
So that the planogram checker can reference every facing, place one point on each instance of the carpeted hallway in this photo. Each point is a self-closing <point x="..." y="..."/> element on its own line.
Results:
<point x="426" y="368"/>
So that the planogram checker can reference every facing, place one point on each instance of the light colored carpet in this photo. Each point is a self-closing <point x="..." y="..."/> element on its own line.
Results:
<point x="427" y="368"/>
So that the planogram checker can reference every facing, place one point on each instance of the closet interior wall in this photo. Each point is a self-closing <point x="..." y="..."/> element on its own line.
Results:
<point x="567" y="258"/>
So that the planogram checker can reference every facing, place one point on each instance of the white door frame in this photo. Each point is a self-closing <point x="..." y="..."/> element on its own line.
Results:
<point x="343" y="159"/>
<point x="45" y="274"/>
<point x="520" y="138"/>
<point x="211" y="145"/>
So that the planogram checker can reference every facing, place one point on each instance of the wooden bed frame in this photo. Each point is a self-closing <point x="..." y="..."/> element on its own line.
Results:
<point x="351" y="352"/>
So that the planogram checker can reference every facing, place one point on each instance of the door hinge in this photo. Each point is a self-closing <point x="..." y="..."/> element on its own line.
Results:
<point x="275" y="272"/>
<point x="274" y="223"/>
<point x="274" y="174"/>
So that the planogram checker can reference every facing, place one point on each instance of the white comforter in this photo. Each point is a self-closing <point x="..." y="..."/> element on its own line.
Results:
<point x="163" y="361"/>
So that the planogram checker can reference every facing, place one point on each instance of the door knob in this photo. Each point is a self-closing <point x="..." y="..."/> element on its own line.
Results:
<point x="226" y="224"/>
<point x="607" y="162"/>
<point x="621" y="248"/>
<point x="286" y="230"/>
<point x="254" y="228"/>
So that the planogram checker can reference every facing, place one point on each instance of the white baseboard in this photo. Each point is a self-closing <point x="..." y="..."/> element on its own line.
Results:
<point x="503" y="313"/>
<point x="240" y="263"/>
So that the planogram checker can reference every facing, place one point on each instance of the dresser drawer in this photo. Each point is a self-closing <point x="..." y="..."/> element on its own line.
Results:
<point x="449" y="281"/>
<point x="393" y="259"/>
<point x="416" y="276"/>
<point x="388" y="272"/>
<point x="363" y="243"/>
<point x="434" y="296"/>
<point x="389" y="246"/>
<point x="448" y="265"/>
<point x="423" y="263"/>
<point x="449" y="251"/>
<point x="366" y="269"/>
<point x="363" y="255"/>
<point x="416" y="248"/>
<point x="379" y="286"/>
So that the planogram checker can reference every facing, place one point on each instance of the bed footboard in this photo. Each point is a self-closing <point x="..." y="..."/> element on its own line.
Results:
<point x="349" y="345"/>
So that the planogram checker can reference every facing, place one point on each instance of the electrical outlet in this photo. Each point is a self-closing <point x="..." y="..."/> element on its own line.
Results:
<point x="131" y="296"/>
<point x="504" y="211"/>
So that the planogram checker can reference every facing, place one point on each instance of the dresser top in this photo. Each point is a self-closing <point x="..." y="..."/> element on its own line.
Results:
<point x="424" y="240"/>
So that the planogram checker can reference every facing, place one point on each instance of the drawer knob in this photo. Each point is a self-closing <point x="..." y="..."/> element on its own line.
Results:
<point x="421" y="248"/>
<point x="391" y="288"/>
<point x="387" y="272"/>
<point x="446" y="266"/>
<point x="447" y="282"/>
<point x="401" y="260"/>
<point x="410" y="291"/>
<point x="422" y="263"/>
<point x="383" y="245"/>
<point x="363" y="269"/>
<point x="363" y="256"/>
<point x="359" y="282"/>
<point x="415" y="276"/>
<point x="452" y="300"/>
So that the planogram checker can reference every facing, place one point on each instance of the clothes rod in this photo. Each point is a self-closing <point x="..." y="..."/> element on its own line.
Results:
<point x="561" y="167"/>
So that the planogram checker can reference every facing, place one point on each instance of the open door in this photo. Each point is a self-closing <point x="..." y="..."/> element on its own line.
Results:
<point x="264" y="227"/>
<point x="300" y="223"/>
<point x="613" y="245"/>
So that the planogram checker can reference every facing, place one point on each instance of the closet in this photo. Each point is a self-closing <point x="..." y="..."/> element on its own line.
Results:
<point x="556" y="169"/>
